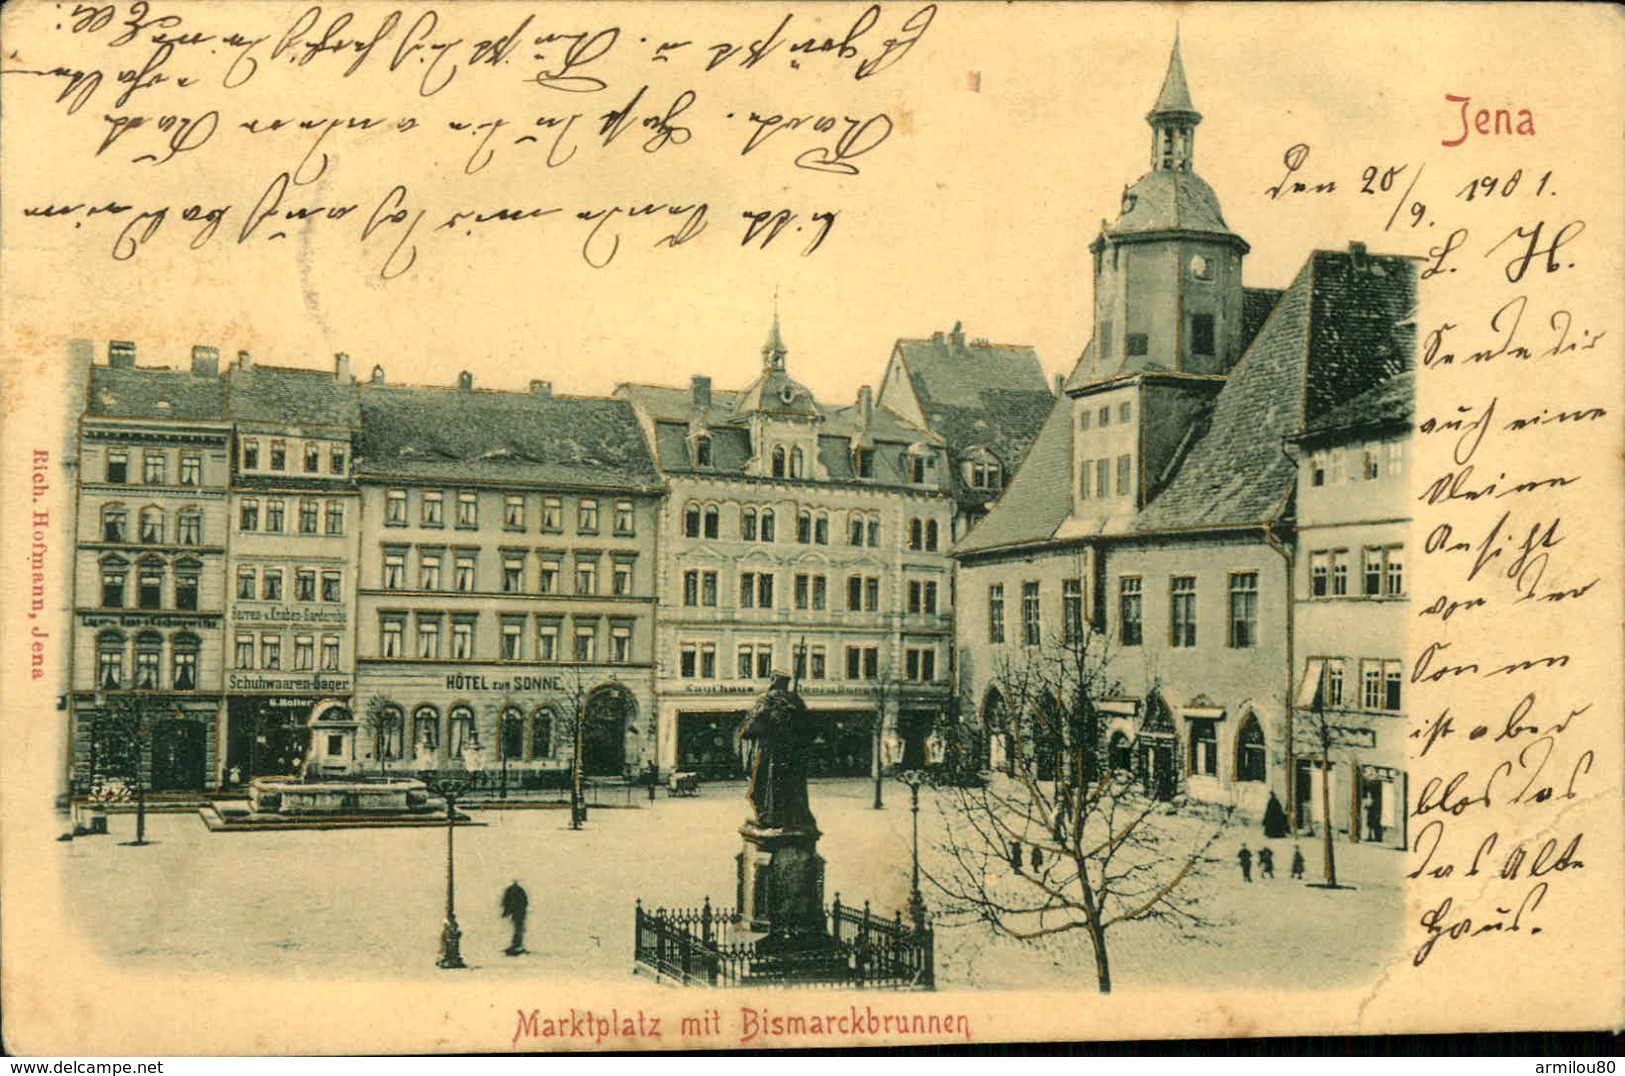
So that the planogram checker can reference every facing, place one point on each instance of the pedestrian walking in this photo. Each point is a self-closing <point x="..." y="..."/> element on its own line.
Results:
<point x="1015" y="856"/>
<point x="1297" y="862"/>
<point x="515" y="906"/>
<point x="1266" y="863"/>
<point x="1245" y="858"/>
<point x="1275" y="823"/>
<point x="1037" y="859"/>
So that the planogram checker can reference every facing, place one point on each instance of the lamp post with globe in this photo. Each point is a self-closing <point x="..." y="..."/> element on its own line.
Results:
<point x="450" y="783"/>
<point x="916" y="901"/>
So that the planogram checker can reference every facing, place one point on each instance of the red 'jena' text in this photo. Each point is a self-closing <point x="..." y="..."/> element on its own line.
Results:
<point x="1486" y="122"/>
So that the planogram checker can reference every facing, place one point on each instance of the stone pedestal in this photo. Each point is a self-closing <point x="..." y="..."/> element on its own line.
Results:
<point x="781" y="885"/>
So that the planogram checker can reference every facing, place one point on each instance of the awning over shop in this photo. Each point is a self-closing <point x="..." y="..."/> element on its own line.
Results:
<point x="1314" y="675"/>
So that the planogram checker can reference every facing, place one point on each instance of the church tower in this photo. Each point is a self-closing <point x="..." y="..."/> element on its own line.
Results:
<point x="1168" y="293"/>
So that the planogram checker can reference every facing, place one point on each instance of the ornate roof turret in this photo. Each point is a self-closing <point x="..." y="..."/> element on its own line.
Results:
<point x="774" y="392"/>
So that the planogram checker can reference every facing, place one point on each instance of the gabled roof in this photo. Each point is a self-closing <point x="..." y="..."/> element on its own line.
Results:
<point x="291" y="396"/>
<point x="1390" y="405"/>
<point x="993" y="396"/>
<point x="1037" y="498"/>
<point x="463" y="434"/>
<point x="1337" y="347"/>
<point x="149" y="392"/>
<point x="1342" y="328"/>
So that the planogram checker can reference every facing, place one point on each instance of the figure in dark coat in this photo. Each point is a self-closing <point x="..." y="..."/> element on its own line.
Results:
<point x="776" y="735"/>
<point x="1297" y="862"/>
<point x="1015" y="856"/>
<point x="1266" y="863"/>
<point x="1245" y="858"/>
<point x="1275" y="824"/>
<point x="515" y="906"/>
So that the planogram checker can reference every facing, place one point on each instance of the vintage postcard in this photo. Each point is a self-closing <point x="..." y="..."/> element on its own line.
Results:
<point x="629" y="526"/>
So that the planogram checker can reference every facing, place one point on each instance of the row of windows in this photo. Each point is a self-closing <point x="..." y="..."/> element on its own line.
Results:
<point x="516" y="510"/>
<point x="812" y="528"/>
<point x="151" y="578"/>
<point x="1102" y="416"/>
<point x="309" y="584"/>
<point x="152" y="525"/>
<point x="266" y="651"/>
<point x="698" y="661"/>
<point x="276" y="456"/>
<point x="1382" y="572"/>
<point x="1379" y="687"/>
<point x="1356" y="463"/>
<point x="462" y="733"/>
<point x="546" y="643"/>
<point x="1200" y="336"/>
<point x="1032" y="614"/>
<point x="113" y="650"/>
<point x="1242" y="627"/>
<point x="271" y="517"/>
<point x="918" y="462"/>
<point x="810" y="590"/>
<point x="1095" y="478"/>
<point x="154" y="467"/>
<point x="1202" y="754"/>
<point x="463" y="566"/>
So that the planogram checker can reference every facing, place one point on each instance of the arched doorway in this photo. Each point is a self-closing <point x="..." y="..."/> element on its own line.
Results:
<point x="607" y="716"/>
<point x="1250" y="755"/>
<point x="1119" y="754"/>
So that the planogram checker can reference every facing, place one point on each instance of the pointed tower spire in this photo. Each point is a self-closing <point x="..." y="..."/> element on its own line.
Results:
<point x="773" y="352"/>
<point x="1173" y="120"/>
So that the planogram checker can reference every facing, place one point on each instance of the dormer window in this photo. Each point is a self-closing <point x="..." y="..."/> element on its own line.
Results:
<point x="798" y="463"/>
<point x="702" y="450"/>
<point x="920" y="464"/>
<point x="863" y="462"/>
<point x="983" y="473"/>
<point x="778" y="461"/>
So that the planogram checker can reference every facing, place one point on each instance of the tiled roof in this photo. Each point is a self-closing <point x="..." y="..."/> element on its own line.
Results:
<point x="1036" y="500"/>
<point x="284" y="395"/>
<point x="1256" y="304"/>
<point x="1175" y="95"/>
<point x="1341" y="328"/>
<point x="992" y="395"/>
<point x="1388" y="405"/>
<point x="148" y="392"/>
<point x="463" y="434"/>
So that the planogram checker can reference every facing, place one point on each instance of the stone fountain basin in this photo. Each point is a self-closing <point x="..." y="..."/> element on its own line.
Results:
<point x="291" y="796"/>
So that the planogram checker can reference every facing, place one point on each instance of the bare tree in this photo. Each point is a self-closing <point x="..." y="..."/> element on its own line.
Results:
<point x="1062" y="843"/>
<point x="573" y="694"/>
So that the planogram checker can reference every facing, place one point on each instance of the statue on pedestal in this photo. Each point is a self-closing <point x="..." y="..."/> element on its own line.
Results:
<point x="777" y="735"/>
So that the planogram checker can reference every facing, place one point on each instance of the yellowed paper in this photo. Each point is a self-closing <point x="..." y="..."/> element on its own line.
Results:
<point x="601" y="197"/>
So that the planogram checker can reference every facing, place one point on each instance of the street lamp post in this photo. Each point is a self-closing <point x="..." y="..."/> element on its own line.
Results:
<point x="450" y="784"/>
<point x="916" y="901"/>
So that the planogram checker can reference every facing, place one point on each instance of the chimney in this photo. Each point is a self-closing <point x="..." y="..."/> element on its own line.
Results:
<point x="699" y="389"/>
<point x="465" y="381"/>
<point x="959" y="334"/>
<point x="1357" y="254"/>
<point x="121" y="353"/>
<point x="377" y="375"/>
<point x="866" y="405"/>
<point x="936" y="337"/>
<point x="341" y="367"/>
<point x="245" y="360"/>
<point x="541" y="388"/>
<point x="205" y="360"/>
<point x="1060" y="384"/>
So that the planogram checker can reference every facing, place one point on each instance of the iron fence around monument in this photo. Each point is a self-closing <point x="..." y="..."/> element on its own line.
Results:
<point x="707" y="947"/>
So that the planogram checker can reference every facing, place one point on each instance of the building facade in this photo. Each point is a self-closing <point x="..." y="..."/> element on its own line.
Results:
<point x="506" y="581"/>
<point x="803" y="537"/>
<point x="985" y="402"/>
<point x="145" y="675"/>
<point x="1352" y="615"/>
<point x="1158" y="505"/>
<point x="294" y="513"/>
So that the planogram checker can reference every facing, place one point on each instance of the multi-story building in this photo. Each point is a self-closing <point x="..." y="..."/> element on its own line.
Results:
<point x="1351" y="614"/>
<point x="294" y="510"/>
<point x="506" y="583"/>
<point x="985" y="401"/>
<point x="803" y="537"/>
<point x="1156" y="505"/>
<point x="149" y="573"/>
